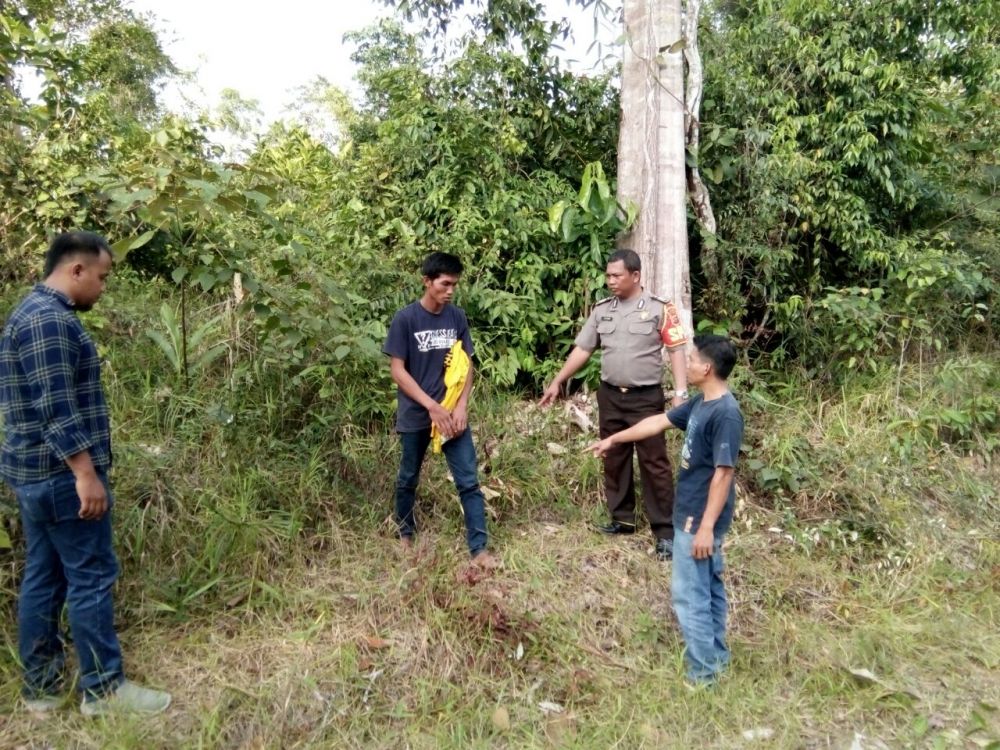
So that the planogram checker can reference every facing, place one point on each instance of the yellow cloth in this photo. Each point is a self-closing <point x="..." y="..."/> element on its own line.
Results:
<point x="456" y="371"/>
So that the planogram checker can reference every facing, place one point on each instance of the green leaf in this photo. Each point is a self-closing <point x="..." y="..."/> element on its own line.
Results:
<point x="168" y="349"/>
<point x="596" y="253"/>
<point x="206" y="279"/>
<point x="178" y="274"/>
<point x="203" y="330"/>
<point x="570" y="232"/>
<point x="257" y="197"/>
<point x="631" y="214"/>
<point x="122" y="248"/>
<point x="555" y="215"/>
<point x="125" y="199"/>
<point x="586" y="186"/>
<point x="209" y="356"/>
<point x="610" y="211"/>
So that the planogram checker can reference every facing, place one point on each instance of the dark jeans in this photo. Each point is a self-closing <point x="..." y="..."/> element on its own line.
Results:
<point x="69" y="561"/>
<point x="461" y="455"/>
<point x="616" y="412"/>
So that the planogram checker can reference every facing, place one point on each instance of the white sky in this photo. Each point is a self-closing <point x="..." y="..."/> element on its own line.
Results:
<point x="266" y="52"/>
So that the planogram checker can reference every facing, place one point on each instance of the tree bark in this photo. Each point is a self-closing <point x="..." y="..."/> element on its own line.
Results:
<point x="651" y="157"/>
<point x="700" y="198"/>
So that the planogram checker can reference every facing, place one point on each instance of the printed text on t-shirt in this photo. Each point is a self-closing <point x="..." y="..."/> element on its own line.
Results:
<point x="441" y="338"/>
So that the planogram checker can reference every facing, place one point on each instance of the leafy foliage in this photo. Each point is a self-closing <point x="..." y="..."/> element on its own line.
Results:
<point x="852" y="149"/>
<point x="468" y="161"/>
<point x="833" y="136"/>
<point x="831" y="141"/>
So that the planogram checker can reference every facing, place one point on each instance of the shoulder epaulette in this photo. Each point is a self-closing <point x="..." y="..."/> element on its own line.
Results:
<point x="660" y="299"/>
<point x="604" y="301"/>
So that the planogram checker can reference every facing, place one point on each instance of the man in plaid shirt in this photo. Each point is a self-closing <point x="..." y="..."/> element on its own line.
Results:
<point x="55" y="455"/>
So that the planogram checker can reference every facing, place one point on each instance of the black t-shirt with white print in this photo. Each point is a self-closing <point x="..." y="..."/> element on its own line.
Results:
<point x="422" y="339"/>
<point x="713" y="432"/>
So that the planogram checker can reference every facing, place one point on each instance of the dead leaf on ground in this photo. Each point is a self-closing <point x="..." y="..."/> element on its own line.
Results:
<point x="560" y="729"/>
<point x="865" y="677"/>
<point x="580" y="418"/>
<point x="471" y="573"/>
<point x="868" y="678"/>
<point x="489" y="493"/>
<point x="501" y="719"/>
<point x="758" y="733"/>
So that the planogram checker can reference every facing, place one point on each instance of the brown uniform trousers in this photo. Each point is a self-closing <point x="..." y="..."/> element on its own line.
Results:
<point x="617" y="411"/>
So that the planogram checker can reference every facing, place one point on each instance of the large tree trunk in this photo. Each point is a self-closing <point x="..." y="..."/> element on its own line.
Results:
<point x="651" y="163"/>
<point x="692" y="128"/>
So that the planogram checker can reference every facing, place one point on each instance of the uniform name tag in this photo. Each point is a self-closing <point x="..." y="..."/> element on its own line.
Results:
<point x="607" y="317"/>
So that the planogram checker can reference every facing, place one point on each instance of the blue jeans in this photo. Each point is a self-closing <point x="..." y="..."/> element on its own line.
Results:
<point x="461" y="456"/>
<point x="69" y="561"/>
<point x="699" y="598"/>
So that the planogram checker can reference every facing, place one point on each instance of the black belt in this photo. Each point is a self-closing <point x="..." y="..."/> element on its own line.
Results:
<point x="630" y="388"/>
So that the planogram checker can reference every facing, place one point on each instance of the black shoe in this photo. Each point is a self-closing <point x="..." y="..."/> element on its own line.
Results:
<point x="665" y="549"/>
<point x="616" y="527"/>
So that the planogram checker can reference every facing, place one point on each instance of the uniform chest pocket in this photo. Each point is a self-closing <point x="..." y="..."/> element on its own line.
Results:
<point x="641" y="327"/>
<point x="604" y="327"/>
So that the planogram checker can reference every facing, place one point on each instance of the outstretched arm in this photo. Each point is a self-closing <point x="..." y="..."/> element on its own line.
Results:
<point x="576" y="359"/>
<point x="639" y="431"/>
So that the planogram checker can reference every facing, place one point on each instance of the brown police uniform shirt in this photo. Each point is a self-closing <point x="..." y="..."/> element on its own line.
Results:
<point x="629" y="336"/>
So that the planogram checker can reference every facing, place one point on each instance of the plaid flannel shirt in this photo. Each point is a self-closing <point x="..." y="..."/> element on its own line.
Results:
<point x="51" y="398"/>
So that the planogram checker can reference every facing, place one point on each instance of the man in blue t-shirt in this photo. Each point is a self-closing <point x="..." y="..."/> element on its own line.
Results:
<point x="420" y="336"/>
<point x="703" y="505"/>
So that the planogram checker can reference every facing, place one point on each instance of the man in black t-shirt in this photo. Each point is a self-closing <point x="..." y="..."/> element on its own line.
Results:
<point x="704" y="501"/>
<point x="420" y="336"/>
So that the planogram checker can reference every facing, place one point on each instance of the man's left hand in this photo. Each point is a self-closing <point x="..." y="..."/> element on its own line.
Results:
<point x="460" y="419"/>
<point x="704" y="543"/>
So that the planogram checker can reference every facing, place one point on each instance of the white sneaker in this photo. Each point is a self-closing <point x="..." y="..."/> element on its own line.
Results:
<point x="128" y="698"/>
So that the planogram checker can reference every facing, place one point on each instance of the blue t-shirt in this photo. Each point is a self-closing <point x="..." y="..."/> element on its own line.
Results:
<point x="713" y="432"/>
<point x="422" y="339"/>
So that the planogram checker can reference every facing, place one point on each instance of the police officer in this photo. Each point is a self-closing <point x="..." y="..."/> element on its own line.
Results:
<point x="631" y="327"/>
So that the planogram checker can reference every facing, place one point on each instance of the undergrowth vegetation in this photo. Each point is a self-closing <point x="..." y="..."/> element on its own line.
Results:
<point x="262" y="584"/>
<point x="851" y="153"/>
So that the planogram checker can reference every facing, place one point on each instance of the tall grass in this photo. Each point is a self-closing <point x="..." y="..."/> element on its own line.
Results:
<point x="262" y="584"/>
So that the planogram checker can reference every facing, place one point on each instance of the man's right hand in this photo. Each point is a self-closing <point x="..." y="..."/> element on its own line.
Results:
<point x="442" y="419"/>
<point x="93" y="497"/>
<point x="550" y="394"/>
<point x="600" y="448"/>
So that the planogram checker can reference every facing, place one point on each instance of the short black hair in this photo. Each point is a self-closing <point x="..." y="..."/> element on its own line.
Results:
<point x="69" y="244"/>
<point x="437" y="264"/>
<point x="718" y="350"/>
<point x="629" y="257"/>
